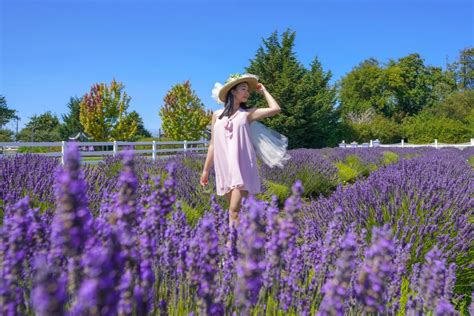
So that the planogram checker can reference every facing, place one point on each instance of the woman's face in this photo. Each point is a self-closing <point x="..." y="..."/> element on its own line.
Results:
<point x="241" y="93"/>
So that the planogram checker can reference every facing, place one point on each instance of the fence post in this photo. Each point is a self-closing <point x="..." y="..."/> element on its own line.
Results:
<point x="185" y="145"/>
<point x="371" y="144"/>
<point x="403" y="143"/>
<point x="153" y="148"/>
<point x="115" y="148"/>
<point x="63" y="149"/>
<point x="436" y="143"/>
<point x="472" y="141"/>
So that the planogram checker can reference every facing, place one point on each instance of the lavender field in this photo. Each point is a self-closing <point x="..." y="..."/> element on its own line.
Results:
<point x="337" y="232"/>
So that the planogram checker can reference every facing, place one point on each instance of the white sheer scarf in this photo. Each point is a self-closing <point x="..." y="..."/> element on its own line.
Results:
<point x="270" y="146"/>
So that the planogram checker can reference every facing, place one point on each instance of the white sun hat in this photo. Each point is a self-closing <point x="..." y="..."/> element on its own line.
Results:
<point x="219" y="92"/>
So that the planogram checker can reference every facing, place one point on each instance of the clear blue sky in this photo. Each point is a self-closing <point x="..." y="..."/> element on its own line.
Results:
<point x="52" y="50"/>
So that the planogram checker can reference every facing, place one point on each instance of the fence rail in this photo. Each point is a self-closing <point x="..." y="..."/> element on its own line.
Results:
<point x="88" y="149"/>
<point x="403" y="144"/>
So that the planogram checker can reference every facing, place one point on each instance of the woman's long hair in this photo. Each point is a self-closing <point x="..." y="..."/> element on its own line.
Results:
<point x="230" y="102"/>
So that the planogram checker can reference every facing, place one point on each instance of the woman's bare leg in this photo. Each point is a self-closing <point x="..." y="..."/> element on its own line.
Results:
<point x="235" y="204"/>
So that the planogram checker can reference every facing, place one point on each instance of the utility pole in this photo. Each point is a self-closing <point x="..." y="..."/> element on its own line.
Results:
<point x="16" y="135"/>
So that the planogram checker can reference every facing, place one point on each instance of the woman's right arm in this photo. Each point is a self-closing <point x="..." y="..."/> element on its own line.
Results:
<point x="210" y="155"/>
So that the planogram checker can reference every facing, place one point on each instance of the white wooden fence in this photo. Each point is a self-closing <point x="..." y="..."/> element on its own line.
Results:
<point x="403" y="144"/>
<point x="87" y="149"/>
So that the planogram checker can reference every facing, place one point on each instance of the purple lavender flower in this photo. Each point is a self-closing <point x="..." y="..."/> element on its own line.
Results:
<point x="273" y="245"/>
<point x="126" y="288"/>
<point x="471" y="307"/>
<point x="98" y="293"/>
<point x="293" y="203"/>
<point x="146" y="273"/>
<point x="402" y="255"/>
<point x="209" y="243"/>
<point x="14" y="250"/>
<point x="127" y="195"/>
<point x="251" y="266"/>
<point x="229" y="259"/>
<point x="49" y="294"/>
<point x="328" y="252"/>
<point x="71" y="224"/>
<point x="433" y="279"/>
<point x="336" y="290"/>
<point x="450" y="281"/>
<point x="444" y="308"/>
<point x="376" y="271"/>
<point x="290" y="281"/>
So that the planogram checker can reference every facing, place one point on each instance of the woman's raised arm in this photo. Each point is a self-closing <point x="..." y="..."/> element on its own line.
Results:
<point x="273" y="107"/>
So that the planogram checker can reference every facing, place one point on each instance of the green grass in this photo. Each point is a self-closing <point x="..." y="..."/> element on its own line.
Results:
<point x="390" y="157"/>
<point x="353" y="168"/>
<point x="345" y="172"/>
<point x="315" y="183"/>
<point x="192" y="214"/>
<point x="38" y="150"/>
<point x="94" y="158"/>
<point x="404" y="293"/>
<point x="470" y="160"/>
<point x="282" y="192"/>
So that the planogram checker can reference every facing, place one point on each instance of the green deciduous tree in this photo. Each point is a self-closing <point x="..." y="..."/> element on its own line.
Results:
<point x="103" y="113"/>
<point x="402" y="88"/>
<point x="183" y="114"/>
<point x="425" y="127"/>
<point x="365" y="88"/>
<point x="368" y="126"/>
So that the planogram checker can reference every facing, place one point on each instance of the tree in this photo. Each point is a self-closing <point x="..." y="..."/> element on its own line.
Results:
<point x="425" y="127"/>
<point x="71" y="122"/>
<point x="399" y="89"/>
<point x="183" y="114"/>
<point x="6" y="135"/>
<point x="103" y="113"/>
<point x="6" y="114"/>
<point x="141" y="130"/>
<point x="364" y="88"/>
<point x="462" y="70"/>
<point x="307" y="101"/>
<point x="369" y="125"/>
<point x="41" y="128"/>
<point x="416" y="86"/>
<point x="457" y="106"/>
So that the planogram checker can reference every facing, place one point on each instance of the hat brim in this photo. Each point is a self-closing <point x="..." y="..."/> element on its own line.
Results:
<point x="251" y="81"/>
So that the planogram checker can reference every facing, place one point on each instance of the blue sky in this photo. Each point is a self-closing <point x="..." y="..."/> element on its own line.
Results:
<point x="53" y="50"/>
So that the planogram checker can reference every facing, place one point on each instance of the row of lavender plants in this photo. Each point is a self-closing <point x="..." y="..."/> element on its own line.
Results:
<point x="398" y="242"/>
<point x="319" y="170"/>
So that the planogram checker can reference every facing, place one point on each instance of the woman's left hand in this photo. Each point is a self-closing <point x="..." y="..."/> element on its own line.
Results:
<point x="260" y="88"/>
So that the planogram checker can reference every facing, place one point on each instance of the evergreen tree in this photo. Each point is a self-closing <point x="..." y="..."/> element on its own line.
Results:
<point x="41" y="128"/>
<point x="305" y="96"/>
<point x="142" y="132"/>
<point x="71" y="121"/>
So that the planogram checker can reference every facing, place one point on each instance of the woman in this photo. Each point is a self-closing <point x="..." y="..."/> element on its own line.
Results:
<point x="230" y="148"/>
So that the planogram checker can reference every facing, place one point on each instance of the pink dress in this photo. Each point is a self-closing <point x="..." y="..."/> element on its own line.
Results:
<point x="235" y="161"/>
